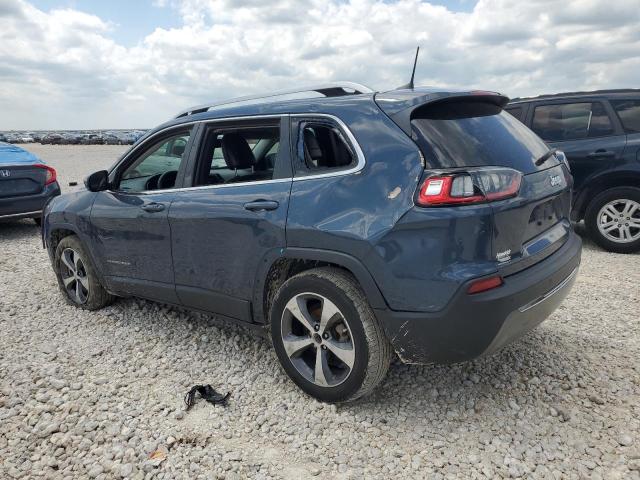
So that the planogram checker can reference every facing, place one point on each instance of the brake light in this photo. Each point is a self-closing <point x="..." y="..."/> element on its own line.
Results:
<point x="448" y="190"/>
<point x="51" y="173"/>
<point x="474" y="186"/>
<point x="485" y="284"/>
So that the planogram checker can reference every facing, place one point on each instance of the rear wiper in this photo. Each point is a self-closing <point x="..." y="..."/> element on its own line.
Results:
<point x="545" y="157"/>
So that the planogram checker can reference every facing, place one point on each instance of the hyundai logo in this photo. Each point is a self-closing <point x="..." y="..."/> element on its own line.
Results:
<point x="5" y="173"/>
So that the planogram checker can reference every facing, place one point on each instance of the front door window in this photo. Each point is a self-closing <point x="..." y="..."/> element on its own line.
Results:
<point x="157" y="168"/>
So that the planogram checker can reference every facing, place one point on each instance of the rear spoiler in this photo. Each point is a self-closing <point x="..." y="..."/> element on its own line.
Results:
<point x="400" y="105"/>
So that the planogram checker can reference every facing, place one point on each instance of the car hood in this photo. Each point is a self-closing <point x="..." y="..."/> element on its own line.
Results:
<point x="12" y="155"/>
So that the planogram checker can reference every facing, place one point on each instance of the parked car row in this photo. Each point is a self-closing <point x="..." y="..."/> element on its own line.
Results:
<point x="16" y="138"/>
<point x="116" y="137"/>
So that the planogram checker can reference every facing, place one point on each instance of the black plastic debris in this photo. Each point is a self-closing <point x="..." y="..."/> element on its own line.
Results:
<point x="208" y="393"/>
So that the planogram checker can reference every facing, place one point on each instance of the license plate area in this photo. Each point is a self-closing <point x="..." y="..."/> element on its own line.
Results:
<point x="544" y="216"/>
<point x="18" y="186"/>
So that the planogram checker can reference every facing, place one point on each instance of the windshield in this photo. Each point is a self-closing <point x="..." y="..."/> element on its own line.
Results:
<point x="470" y="134"/>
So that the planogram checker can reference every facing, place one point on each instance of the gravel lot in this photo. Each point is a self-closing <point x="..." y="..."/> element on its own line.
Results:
<point x="95" y="394"/>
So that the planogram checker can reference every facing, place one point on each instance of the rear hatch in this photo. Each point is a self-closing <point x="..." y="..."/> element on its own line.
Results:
<point x="21" y="180"/>
<point x="471" y="138"/>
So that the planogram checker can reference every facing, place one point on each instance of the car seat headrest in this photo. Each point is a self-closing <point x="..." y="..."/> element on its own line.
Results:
<point x="312" y="147"/>
<point x="236" y="151"/>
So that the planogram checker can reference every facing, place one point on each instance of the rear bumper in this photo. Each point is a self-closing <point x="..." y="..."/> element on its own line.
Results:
<point x="29" y="206"/>
<point x="476" y="325"/>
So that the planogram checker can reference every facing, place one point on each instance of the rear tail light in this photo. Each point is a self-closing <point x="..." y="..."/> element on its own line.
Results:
<point x="51" y="173"/>
<point x="485" y="284"/>
<point x="472" y="186"/>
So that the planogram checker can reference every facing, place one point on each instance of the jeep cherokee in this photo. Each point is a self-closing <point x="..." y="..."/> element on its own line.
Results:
<point x="348" y="223"/>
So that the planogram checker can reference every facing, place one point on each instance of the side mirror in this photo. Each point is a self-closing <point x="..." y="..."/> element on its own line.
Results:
<point x="97" y="181"/>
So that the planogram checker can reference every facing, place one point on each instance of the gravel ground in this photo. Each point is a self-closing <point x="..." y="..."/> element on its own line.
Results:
<point x="97" y="394"/>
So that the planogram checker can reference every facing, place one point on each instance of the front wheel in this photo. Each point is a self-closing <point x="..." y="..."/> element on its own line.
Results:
<point x="77" y="276"/>
<point x="326" y="336"/>
<point x="613" y="219"/>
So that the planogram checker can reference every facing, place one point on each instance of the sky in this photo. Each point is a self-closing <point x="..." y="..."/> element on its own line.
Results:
<point x="83" y="64"/>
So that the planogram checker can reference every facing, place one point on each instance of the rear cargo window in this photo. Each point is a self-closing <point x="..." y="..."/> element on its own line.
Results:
<point x="324" y="147"/>
<point x="629" y="113"/>
<point x="471" y="134"/>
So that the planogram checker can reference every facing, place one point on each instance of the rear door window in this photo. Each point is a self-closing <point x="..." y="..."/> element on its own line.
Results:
<point x="629" y="113"/>
<point x="571" y="121"/>
<point x="473" y="134"/>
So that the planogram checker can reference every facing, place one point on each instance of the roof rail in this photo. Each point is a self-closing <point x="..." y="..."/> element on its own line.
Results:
<point x="578" y="94"/>
<point x="335" y="89"/>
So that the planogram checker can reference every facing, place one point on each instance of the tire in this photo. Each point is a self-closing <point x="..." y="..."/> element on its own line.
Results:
<point x="91" y="295"/>
<point x="353" y="331"/>
<point x="626" y="202"/>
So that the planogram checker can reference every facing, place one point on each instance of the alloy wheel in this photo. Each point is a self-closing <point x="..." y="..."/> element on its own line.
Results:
<point x="74" y="276"/>
<point x="317" y="339"/>
<point x="619" y="221"/>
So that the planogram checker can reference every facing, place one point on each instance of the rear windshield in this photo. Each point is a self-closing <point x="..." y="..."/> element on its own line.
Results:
<point x="473" y="134"/>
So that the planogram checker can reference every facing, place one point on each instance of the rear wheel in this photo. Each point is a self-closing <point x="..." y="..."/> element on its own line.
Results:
<point x="613" y="219"/>
<point x="326" y="336"/>
<point x="77" y="276"/>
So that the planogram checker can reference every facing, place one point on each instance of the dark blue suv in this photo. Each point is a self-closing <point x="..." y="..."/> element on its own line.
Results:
<point x="348" y="223"/>
<point x="599" y="132"/>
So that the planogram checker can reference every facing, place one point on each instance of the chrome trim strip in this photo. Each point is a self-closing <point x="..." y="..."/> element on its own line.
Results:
<point x="25" y="214"/>
<point x="550" y="293"/>
<point x="355" y="169"/>
<point x="204" y="187"/>
<point x="136" y="146"/>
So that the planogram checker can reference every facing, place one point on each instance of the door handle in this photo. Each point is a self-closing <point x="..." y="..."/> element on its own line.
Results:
<point x="153" y="207"/>
<point x="258" y="205"/>
<point x="602" y="153"/>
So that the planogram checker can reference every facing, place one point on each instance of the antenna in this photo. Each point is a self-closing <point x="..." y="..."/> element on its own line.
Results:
<point x="409" y="86"/>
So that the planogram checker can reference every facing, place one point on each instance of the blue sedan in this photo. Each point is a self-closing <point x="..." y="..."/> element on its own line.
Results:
<point x="26" y="183"/>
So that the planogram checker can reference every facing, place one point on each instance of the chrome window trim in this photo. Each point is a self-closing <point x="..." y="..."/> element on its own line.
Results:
<point x="359" y="154"/>
<point x="339" y="173"/>
<point x="136" y="147"/>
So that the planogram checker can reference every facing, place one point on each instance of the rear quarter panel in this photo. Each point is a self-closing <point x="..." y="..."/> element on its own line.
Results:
<point x="349" y="213"/>
<point x="421" y="262"/>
